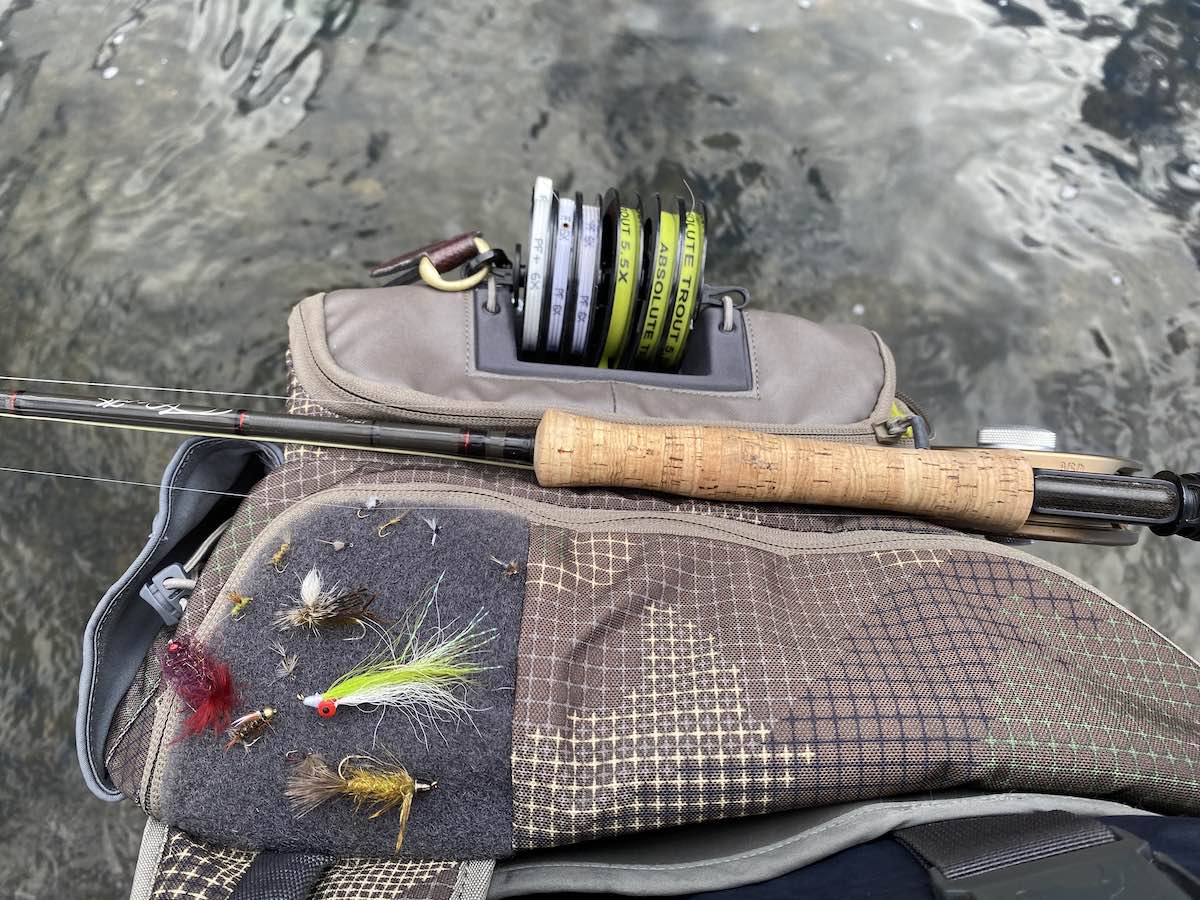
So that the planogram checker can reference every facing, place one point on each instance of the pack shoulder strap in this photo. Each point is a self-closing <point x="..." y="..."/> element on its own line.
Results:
<point x="1042" y="854"/>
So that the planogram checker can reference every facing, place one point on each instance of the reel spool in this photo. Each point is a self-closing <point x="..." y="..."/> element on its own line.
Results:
<point x="1074" y="531"/>
<point x="607" y="283"/>
<point x="1079" y="531"/>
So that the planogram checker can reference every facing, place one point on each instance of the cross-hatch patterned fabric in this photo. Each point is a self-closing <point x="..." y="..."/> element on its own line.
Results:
<point x="666" y="680"/>
<point x="190" y="868"/>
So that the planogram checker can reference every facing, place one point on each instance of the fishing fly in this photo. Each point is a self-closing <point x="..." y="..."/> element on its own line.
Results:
<point x="247" y="730"/>
<point x="421" y="669"/>
<point x="434" y="527"/>
<point x="202" y="681"/>
<point x="286" y="667"/>
<point x="337" y="545"/>
<point x="510" y="568"/>
<point x="391" y="523"/>
<point x="238" y="603"/>
<point x="319" y="607"/>
<point x="370" y="783"/>
<point x="279" y="557"/>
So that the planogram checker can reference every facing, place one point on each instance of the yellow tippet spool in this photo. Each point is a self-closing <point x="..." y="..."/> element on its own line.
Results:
<point x="687" y="294"/>
<point x="623" y="229"/>
<point x="662" y="243"/>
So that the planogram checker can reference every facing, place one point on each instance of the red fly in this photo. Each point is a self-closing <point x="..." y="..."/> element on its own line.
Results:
<point x="202" y="681"/>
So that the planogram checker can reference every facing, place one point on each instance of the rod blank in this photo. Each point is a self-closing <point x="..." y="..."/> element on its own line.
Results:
<point x="491" y="445"/>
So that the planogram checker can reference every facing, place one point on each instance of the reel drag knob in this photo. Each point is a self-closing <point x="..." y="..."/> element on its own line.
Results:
<point x="1017" y="437"/>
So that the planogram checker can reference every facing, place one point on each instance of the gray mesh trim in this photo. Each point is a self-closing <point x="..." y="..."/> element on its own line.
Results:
<point x="154" y="839"/>
<point x="474" y="878"/>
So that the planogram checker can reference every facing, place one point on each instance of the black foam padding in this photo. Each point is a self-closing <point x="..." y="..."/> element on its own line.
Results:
<point x="236" y="797"/>
<point x="281" y="876"/>
<point x="960" y="848"/>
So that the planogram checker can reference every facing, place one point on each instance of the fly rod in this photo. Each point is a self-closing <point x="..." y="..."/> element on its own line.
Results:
<point x="990" y="490"/>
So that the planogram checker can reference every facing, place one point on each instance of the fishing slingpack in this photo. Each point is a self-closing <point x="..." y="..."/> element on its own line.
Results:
<point x="674" y="695"/>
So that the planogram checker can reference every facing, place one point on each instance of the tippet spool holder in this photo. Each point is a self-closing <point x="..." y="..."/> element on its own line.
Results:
<point x="716" y="358"/>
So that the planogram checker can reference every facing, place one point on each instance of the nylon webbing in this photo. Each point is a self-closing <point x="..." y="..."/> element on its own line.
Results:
<point x="281" y="876"/>
<point x="959" y="848"/>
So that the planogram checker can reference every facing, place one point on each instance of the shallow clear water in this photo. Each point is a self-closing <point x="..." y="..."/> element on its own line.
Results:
<point x="1007" y="192"/>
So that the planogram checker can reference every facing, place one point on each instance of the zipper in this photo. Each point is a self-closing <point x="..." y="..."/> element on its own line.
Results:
<point x="915" y="408"/>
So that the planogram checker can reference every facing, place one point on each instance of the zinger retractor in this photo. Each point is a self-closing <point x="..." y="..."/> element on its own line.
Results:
<point x="611" y="283"/>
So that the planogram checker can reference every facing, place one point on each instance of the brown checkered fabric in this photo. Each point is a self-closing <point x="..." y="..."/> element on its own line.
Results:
<point x="384" y="879"/>
<point x="666" y="680"/>
<point x="194" y="870"/>
<point x="128" y="742"/>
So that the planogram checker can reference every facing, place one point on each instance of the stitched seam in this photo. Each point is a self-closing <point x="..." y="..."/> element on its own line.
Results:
<point x="755" y="384"/>
<point x="882" y="409"/>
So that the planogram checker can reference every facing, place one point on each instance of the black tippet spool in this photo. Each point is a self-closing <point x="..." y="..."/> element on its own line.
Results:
<point x="610" y="214"/>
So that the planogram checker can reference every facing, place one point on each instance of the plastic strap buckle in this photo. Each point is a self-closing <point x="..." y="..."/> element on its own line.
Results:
<point x="169" y="603"/>
<point x="1124" y="866"/>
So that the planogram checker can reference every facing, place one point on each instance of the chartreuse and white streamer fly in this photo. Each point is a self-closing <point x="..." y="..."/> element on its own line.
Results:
<point x="422" y="668"/>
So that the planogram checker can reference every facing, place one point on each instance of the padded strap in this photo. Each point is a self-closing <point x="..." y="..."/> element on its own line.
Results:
<point x="1042" y="854"/>
<point x="959" y="848"/>
<point x="275" y="875"/>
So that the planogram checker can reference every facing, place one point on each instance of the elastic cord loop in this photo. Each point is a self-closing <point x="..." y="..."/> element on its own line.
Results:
<point x="432" y="277"/>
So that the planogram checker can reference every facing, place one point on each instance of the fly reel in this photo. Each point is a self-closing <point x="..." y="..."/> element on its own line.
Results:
<point x="609" y="281"/>
<point x="1039" y="448"/>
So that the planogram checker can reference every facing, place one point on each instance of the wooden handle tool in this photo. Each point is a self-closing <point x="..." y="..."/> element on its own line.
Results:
<point x="985" y="490"/>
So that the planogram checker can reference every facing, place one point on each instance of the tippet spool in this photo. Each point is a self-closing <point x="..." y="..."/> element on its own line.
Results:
<point x="658" y="286"/>
<point x="563" y="272"/>
<point x="540" y="251"/>
<point x="621" y="255"/>
<point x="587" y="279"/>
<point x="692" y="245"/>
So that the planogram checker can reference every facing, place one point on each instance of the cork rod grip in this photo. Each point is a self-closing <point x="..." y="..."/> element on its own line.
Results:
<point x="986" y="490"/>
